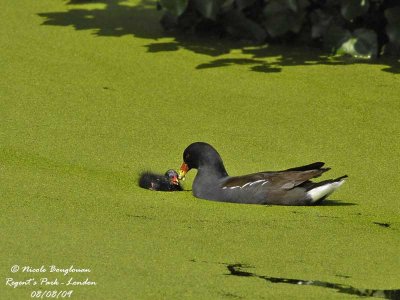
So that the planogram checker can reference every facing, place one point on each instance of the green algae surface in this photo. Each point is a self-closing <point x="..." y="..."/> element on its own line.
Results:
<point x="92" y="94"/>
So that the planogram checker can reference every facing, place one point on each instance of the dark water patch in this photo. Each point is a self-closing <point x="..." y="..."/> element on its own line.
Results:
<point x="108" y="88"/>
<point x="332" y="217"/>
<point x="232" y="296"/>
<point x="237" y="270"/>
<point x="139" y="217"/>
<point x="342" y="276"/>
<point x="336" y="203"/>
<point x="206" y="262"/>
<point x="386" y="225"/>
<point x="162" y="47"/>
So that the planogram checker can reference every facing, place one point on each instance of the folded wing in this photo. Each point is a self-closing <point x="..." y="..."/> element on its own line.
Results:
<point x="286" y="179"/>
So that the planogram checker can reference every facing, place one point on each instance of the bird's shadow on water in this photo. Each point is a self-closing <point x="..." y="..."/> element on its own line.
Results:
<point x="329" y="202"/>
<point x="118" y="18"/>
<point x="240" y="270"/>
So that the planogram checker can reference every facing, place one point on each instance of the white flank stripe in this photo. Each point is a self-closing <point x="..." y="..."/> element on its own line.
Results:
<point x="231" y="187"/>
<point x="258" y="181"/>
<point x="247" y="184"/>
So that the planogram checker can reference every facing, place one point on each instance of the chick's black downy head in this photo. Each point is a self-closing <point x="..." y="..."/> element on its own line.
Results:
<point x="172" y="176"/>
<point x="157" y="182"/>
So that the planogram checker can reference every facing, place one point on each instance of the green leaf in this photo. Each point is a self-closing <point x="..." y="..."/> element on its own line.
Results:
<point x="367" y="42"/>
<point x="303" y="3"/>
<point x="352" y="9"/>
<point x="292" y="4"/>
<point x="169" y="21"/>
<point x="393" y="15"/>
<point x="241" y="4"/>
<point x="393" y="32"/>
<point x="296" y="5"/>
<point x="176" y="7"/>
<point x="276" y="19"/>
<point x="320" y="23"/>
<point x="238" y="25"/>
<point x="362" y="44"/>
<point x="335" y="36"/>
<point x="393" y="27"/>
<point x="227" y="5"/>
<point x="208" y="8"/>
<point x="280" y="17"/>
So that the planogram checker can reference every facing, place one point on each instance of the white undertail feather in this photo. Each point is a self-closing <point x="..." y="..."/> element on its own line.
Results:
<point x="324" y="190"/>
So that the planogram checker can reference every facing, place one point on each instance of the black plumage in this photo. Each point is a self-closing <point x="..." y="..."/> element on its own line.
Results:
<point x="157" y="182"/>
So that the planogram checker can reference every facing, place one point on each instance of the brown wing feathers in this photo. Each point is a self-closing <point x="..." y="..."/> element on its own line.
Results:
<point x="313" y="166"/>
<point x="289" y="179"/>
<point x="286" y="179"/>
<point x="242" y="180"/>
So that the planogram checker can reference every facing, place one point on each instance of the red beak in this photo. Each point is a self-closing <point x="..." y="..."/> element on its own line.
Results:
<point x="174" y="180"/>
<point x="183" y="170"/>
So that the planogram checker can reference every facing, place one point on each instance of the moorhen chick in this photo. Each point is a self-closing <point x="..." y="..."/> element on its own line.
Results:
<point x="287" y="187"/>
<point x="156" y="182"/>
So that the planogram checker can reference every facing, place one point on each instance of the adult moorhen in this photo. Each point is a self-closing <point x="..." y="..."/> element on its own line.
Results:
<point x="167" y="182"/>
<point x="287" y="187"/>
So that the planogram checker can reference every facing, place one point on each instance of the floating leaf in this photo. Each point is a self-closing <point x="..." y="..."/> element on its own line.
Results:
<point x="169" y="21"/>
<point x="276" y="19"/>
<point x="320" y="23"/>
<point x="238" y="25"/>
<point x="241" y="4"/>
<point x="176" y="7"/>
<point x="393" y="15"/>
<point x="362" y="44"/>
<point x="281" y="18"/>
<point x="294" y="5"/>
<point x="291" y="4"/>
<point x="297" y="5"/>
<point x="327" y="21"/>
<point x="393" y="32"/>
<point x="393" y="27"/>
<point x="367" y="42"/>
<point x="227" y="5"/>
<point x="208" y="8"/>
<point x="352" y="9"/>
<point x="335" y="36"/>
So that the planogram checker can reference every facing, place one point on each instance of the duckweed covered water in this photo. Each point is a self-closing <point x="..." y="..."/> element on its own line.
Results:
<point x="92" y="94"/>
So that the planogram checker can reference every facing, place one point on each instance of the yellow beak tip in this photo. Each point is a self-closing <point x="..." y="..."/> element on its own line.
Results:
<point x="181" y="175"/>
